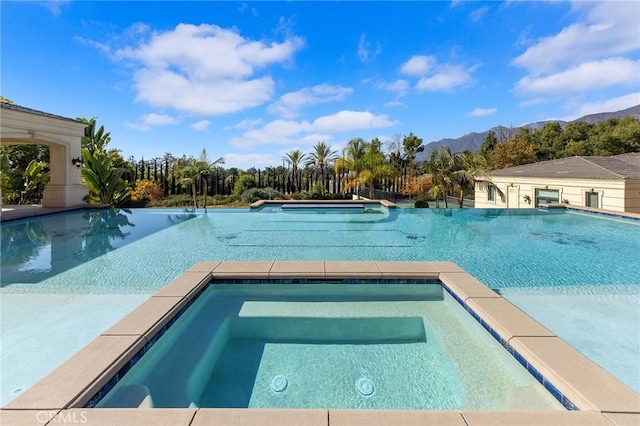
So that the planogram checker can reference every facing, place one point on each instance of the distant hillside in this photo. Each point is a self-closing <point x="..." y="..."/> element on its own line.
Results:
<point x="472" y="141"/>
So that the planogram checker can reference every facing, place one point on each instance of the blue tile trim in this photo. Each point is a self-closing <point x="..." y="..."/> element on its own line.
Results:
<point x="391" y="281"/>
<point x="521" y="359"/>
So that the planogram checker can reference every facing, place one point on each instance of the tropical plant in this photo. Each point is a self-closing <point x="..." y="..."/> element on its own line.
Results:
<point x="352" y="163"/>
<point x="94" y="140"/>
<point x="34" y="178"/>
<point x="441" y="166"/>
<point x="187" y="176"/>
<point x="105" y="182"/>
<point x="294" y="158"/>
<point x="321" y="159"/>
<point x="204" y="168"/>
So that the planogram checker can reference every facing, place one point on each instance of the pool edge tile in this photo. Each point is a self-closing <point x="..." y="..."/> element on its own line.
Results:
<point x="581" y="380"/>
<point x="236" y="269"/>
<point x="535" y="418"/>
<point x="26" y="417"/>
<point x="299" y="269"/>
<point x="204" y="266"/>
<point x="184" y="284"/>
<point x="351" y="269"/>
<point x="345" y="417"/>
<point x="126" y="416"/>
<point x="623" y="419"/>
<point x="391" y="269"/>
<point x="466" y="285"/>
<point x="260" y="416"/>
<point x="84" y="371"/>
<point x="145" y="320"/>
<point x="506" y="319"/>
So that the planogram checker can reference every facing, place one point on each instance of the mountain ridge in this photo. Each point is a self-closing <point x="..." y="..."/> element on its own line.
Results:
<point x="472" y="141"/>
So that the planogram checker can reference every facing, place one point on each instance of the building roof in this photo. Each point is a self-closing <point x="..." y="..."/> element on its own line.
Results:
<point x="20" y="108"/>
<point x="624" y="166"/>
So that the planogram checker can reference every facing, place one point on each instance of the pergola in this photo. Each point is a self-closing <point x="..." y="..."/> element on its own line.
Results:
<point x="63" y="136"/>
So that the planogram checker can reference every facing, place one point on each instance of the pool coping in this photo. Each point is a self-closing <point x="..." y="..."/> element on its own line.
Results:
<point x="60" y="396"/>
<point x="262" y="203"/>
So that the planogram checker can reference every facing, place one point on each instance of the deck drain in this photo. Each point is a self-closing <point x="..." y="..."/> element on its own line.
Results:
<point x="279" y="383"/>
<point x="364" y="386"/>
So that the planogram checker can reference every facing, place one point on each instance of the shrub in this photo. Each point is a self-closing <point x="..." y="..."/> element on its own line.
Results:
<point x="273" y="194"/>
<point x="306" y="195"/>
<point x="243" y="183"/>
<point x="254" y="194"/>
<point x="181" y="200"/>
<point x="146" y="191"/>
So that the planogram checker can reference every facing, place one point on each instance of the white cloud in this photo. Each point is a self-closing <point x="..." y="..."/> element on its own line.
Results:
<point x="582" y="78"/>
<point x="481" y="112"/>
<point x="477" y="14"/>
<point x="351" y="120"/>
<point x="288" y="132"/>
<point x="201" y="125"/>
<point x="289" y="104"/>
<point x="436" y="77"/>
<point x="245" y="124"/>
<point x="393" y="104"/>
<point x="418" y="65"/>
<point x="610" y="29"/>
<point x="609" y="105"/>
<point x="447" y="78"/>
<point x="147" y="121"/>
<point x="365" y="52"/>
<point x="182" y="69"/>
<point x="154" y="119"/>
<point x="55" y="6"/>
<point x="246" y="161"/>
<point x="400" y="87"/>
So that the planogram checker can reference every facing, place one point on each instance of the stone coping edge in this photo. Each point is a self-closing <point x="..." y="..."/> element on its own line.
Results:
<point x="605" y="398"/>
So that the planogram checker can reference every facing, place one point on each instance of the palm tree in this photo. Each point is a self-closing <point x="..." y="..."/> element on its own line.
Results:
<point x="321" y="158"/>
<point x="352" y="161"/>
<point x="294" y="158"/>
<point x="441" y="166"/>
<point x="376" y="166"/>
<point x="205" y="168"/>
<point x="187" y="175"/>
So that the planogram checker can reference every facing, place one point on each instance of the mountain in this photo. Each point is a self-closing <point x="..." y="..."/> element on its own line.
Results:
<point x="472" y="141"/>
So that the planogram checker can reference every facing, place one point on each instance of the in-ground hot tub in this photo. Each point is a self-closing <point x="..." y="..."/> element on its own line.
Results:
<point x="392" y="344"/>
<point x="276" y="326"/>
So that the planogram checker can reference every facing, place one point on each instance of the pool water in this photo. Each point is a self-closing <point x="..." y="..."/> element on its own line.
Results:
<point x="387" y="346"/>
<point x="577" y="274"/>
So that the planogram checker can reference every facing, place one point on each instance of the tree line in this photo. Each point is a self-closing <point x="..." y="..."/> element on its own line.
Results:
<point x="360" y="168"/>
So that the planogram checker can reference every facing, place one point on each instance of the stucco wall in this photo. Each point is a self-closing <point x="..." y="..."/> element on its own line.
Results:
<point x="617" y="195"/>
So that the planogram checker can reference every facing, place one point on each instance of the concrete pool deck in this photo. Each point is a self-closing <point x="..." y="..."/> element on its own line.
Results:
<point x="59" y="398"/>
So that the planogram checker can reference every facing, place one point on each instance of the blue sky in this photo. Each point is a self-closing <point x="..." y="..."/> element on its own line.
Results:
<point x="250" y="81"/>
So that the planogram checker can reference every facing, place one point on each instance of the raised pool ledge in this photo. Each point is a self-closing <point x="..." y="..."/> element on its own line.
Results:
<point x="577" y="382"/>
<point x="322" y="204"/>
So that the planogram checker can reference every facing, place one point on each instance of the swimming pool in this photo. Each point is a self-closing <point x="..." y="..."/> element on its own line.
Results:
<point x="576" y="274"/>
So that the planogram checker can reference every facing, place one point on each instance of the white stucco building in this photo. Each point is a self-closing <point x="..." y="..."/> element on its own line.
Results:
<point x="63" y="136"/>
<point x="607" y="183"/>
